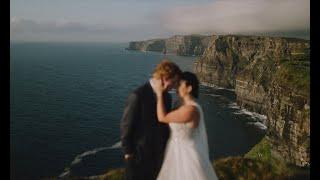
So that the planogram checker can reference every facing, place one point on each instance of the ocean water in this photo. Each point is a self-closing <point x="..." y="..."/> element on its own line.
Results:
<point x="67" y="99"/>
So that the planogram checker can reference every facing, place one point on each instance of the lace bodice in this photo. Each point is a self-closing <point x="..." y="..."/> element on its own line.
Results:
<point x="180" y="131"/>
<point x="185" y="131"/>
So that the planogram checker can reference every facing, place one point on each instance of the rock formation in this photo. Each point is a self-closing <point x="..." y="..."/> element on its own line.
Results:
<point x="192" y="45"/>
<point x="270" y="76"/>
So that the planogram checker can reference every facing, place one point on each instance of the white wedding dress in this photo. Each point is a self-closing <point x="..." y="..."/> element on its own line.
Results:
<point x="187" y="154"/>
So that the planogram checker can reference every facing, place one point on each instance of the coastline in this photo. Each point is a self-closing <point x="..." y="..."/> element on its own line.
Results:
<point x="276" y="162"/>
<point x="118" y="171"/>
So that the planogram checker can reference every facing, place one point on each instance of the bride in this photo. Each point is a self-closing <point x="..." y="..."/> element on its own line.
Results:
<point x="187" y="153"/>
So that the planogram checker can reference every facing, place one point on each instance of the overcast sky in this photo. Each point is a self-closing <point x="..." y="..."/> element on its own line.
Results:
<point x="128" y="20"/>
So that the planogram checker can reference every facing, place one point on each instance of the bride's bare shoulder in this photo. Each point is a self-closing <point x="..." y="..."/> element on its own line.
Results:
<point x="191" y="110"/>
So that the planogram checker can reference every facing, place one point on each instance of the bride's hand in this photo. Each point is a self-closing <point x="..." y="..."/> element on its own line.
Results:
<point x="158" y="87"/>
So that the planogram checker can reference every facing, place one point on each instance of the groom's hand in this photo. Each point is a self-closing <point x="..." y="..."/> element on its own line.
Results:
<point x="128" y="156"/>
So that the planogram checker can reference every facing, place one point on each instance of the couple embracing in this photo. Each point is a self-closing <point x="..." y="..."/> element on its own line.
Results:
<point x="164" y="143"/>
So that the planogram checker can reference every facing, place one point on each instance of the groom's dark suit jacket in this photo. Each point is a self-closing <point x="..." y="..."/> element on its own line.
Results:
<point x="142" y="134"/>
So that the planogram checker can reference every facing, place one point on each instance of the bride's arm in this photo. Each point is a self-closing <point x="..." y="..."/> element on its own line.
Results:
<point x="183" y="114"/>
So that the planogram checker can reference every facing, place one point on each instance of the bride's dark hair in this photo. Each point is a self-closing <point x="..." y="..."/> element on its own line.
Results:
<point x="191" y="80"/>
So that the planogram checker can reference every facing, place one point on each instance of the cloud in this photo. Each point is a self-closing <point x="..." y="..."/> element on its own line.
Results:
<point x="29" y="30"/>
<point x="269" y="17"/>
<point x="18" y="25"/>
<point x="239" y="16"/>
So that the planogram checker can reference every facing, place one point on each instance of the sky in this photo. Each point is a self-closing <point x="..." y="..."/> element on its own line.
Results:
<point x="133" y="20"/>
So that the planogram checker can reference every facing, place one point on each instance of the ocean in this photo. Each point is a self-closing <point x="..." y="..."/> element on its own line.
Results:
<point x="67" y="99"/>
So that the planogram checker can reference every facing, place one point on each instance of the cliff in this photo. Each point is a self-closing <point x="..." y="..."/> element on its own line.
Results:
<point x="191" y="45"/>
<point x="270" y="76"/>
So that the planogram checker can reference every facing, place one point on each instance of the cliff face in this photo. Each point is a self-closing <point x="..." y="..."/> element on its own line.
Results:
<point x="150" y="45"/>
<point x="227" y="56"/>
<point x="192" y="45"/>
<point x="287" y="109"/>
<point x="270" y="76"/>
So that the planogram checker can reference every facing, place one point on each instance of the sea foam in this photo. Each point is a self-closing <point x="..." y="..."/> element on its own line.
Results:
<point x="79" y="157"/>
<point x="259" y="118"/>
<point x="215" y="86"/>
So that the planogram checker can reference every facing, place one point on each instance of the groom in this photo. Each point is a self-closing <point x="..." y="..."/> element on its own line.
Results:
<point x="143" y="138"/>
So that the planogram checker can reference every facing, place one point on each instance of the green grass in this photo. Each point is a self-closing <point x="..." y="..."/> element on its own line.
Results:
<point x="263" y="152"/>
<point x="242" y="168"/>
<point x="294" y="74"/>
<point x="116" y="174"/>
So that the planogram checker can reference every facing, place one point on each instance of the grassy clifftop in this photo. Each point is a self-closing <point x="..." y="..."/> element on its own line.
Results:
<point x="259" y="163"/>
<point x="294" y="74"/>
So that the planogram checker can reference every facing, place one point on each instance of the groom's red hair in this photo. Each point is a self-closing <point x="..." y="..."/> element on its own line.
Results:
<point x="166" y="69"/>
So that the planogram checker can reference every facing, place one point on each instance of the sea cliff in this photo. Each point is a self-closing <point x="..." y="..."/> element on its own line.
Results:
<point x="270" y="76"/>
<point x="191" y="45"/>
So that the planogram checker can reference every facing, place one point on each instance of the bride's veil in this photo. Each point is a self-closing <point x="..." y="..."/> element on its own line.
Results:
<point x="203" y="139"/>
